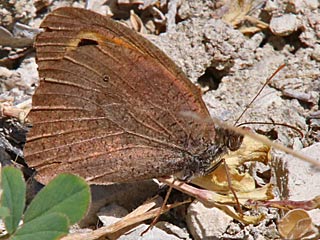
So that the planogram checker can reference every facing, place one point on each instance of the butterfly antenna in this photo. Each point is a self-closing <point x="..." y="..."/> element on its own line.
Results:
<point x="265" y="140"/>
<point x="243" y="112"/>
<point x="264" y="85"/>
<point x="275" y="124"/>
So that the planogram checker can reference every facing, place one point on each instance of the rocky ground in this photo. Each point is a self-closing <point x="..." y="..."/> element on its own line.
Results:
<point x="228" y="48"/>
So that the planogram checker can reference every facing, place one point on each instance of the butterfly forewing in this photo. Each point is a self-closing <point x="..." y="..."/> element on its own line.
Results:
<point x="109" y="104"/>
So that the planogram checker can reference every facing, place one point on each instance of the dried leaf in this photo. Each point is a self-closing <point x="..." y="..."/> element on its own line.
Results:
<point x="296" y="224"/>
<point x="237" y="11"/>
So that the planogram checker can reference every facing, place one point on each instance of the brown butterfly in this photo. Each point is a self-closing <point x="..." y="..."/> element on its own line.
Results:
<point x="110" y="106"/>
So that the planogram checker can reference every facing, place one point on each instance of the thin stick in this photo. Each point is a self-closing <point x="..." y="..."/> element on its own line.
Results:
<point x="162" y="209"/>
<point x="121" y="224"/>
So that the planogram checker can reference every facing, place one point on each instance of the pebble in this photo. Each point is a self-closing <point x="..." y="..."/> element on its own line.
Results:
<point x="302" y="188"/>
<point x="153" y="234"/>
<point x="173" y="229"/>
<point x="316" y="53"/>
<point x="111" y="214"/>
<point x="206" y="223"/>
<point x="284" y="25"/>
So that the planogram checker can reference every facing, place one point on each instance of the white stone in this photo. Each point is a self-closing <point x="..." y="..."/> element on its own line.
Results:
<point x="284" y="25"/>
<point x="304" y="178"/>
<point x="206" y="223"/>
<point x="153" y="234"/>
<point x="316" y="53"/>
<point x="111" y="214"/>
<point x="173" y="229"/>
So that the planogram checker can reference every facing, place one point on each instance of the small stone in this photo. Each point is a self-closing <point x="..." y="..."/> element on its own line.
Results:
<point x="5" y="73"/>
<point x="173" y="229"/>
<point x="28" y="73"/>
<point x="308" y="38"/>
<point x="76" y="229"/>
<point x="233" y="229"/>
<point x="260" y="237"/>
<point x="5" y="17"/>
<point x="284" y="25"/>
<point x="152" y="234"/>
<point x="301" y="187"/>
<point x="297" y="144"/>
<point x="316" y="53"/>
<point x="271" y="6"/>
<point x="111" y="214"/>
<point x="299" y="6"/>
<point x="312" y="4"/>
<point x="206" y="223"/>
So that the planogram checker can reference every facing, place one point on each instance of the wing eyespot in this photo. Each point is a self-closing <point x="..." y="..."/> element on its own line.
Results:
<point x="87" y="42"/>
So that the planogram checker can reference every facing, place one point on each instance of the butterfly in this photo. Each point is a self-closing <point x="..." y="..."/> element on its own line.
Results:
<point x="110" y="106"/>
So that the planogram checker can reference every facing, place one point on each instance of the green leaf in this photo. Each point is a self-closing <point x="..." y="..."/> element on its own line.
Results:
<point x="46" y="227"/>
<point x="4" y="212"/>
<point x="13" y="196"/>
<point x="66" y="194"/>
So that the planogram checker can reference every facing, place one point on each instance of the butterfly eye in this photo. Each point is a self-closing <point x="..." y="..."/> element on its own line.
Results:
<point x="234" y="141"/>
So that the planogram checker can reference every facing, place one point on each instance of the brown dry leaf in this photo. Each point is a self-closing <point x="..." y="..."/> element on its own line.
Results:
<point x="136" y="23"/>
<point x="217" y="181"/>
<point x="296" y="224"/>
<point x="237" y="10"/>
<point x="263" y="193"/>
<point x="250" y="150"/>
<point x="316" y="202"/>
<point x="258" y="25"/>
